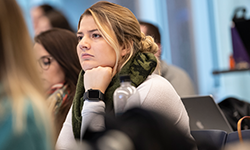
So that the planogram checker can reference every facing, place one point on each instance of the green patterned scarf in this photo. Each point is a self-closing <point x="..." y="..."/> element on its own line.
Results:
<point x="138" y="67"/>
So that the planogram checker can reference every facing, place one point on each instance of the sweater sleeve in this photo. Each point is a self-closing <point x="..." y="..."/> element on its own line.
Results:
<point x="158" y="94"/>
<point x="92" y="116"/>
<point x="66" y="137"/>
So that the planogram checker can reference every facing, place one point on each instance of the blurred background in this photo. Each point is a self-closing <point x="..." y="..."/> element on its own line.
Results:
<point x="196" y="36"/>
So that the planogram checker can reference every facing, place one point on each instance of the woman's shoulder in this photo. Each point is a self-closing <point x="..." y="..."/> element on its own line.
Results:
<point x="155" y="85"/>
<point x="155" y="77"/>
<point x="29" y="116"/>
<point x="32" y="135"/>
<point x="156" y="80"/>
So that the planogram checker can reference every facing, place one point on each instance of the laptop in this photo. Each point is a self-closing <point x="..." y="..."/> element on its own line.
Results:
<point x="204" y="113"/>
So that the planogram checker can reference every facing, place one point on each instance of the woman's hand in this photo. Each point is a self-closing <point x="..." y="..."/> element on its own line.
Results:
<point x="97" y="78"/>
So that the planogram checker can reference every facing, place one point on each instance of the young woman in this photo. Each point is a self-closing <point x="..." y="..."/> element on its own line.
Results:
<point x="24" y="119"/>
<point x="110" y="44"/>
<point x="59" y="67"/>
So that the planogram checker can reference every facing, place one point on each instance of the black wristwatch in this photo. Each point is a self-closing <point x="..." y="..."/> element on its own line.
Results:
<point x="93" y="95"/>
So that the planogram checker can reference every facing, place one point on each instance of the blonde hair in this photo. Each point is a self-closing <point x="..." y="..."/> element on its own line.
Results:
<point x="19" y="78"/>
<point x="120" y="29"/>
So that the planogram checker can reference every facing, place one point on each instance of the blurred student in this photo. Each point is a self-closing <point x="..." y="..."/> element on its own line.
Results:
<point x="112" y="44"/>
<point x="59" y="67"/>
<point x="37" y="12"/>
<point x="46" y="17"/>
<point x="24" y="119"/>
<point x="175" y="75"/>
<point x="138" y="129"/>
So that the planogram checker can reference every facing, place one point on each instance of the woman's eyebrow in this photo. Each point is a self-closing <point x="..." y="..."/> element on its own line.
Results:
<point x="90" y="31"/>
<point x="79" y="33"/>
<point x="93" y="30"/>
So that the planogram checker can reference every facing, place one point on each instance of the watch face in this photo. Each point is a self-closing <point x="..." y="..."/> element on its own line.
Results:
<point x="93" y="94"/>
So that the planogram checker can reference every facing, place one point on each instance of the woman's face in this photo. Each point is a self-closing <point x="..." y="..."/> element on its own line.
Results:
<point x="40" y="22"/>
<point x="36" y="14"/>
<point x="43" y="24"/>
<point x="92" y="49"/>
<point x="50" y="70"/>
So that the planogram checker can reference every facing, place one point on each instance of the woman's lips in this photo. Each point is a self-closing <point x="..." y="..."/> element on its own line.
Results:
<point x="86" y="56"/>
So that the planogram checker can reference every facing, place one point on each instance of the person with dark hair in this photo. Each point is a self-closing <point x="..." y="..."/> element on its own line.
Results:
<point x="46" y="17"/>
<point x="58" y="20"/>
<point x="46" y="8"/>
<point x="175" y="75"/>
<point x="37" y="12"/>
<point x="53" y="19"/>
<point x="59" y="68"/>
<point x="110" y="44"/>
<point x="25" y="123"/>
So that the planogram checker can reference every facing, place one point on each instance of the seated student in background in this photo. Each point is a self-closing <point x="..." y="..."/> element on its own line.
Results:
<point x="59" y="67"/>
<point x="45" y="17"/>
<point x="112" y="44"/>
<point x="37" y="12"/>
<point x="25" y="123"/>
<point x="179" y="79"/>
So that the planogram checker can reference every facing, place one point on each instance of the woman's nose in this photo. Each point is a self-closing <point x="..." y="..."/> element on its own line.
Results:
<point x="84" y="44"/>
<point x="83" y="47"/>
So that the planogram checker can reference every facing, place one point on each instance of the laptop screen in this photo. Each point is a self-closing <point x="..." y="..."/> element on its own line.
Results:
<point x="204" y="113"/>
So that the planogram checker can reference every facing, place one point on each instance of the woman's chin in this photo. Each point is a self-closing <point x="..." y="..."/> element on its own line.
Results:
<point x="89" y="67"/>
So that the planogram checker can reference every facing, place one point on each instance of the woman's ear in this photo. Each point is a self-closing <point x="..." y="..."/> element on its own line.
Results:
<point x="124" y="51"/>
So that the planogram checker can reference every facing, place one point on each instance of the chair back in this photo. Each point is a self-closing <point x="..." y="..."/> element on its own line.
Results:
<point x="234" y="136"/>
<point x="209" y="139"/>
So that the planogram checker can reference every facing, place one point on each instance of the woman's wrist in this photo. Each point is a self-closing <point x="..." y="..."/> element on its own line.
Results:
<point x="93" y="94"/>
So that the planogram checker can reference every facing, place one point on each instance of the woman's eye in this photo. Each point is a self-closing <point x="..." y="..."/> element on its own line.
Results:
<point x="96" y="35"/>
<point x="79" y="38"/>
<point x="46" y="61"/>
